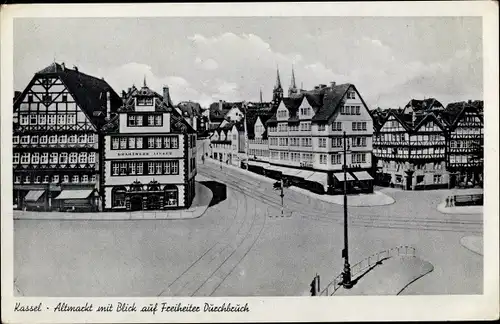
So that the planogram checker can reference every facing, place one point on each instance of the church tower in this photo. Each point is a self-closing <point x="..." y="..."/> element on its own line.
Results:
<point x="278" y="90"/>
<point x="293" y="87"/>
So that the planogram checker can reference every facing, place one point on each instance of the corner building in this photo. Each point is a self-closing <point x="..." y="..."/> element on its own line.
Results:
<point x="150" y="155"/>
<point x="56" y="140"/>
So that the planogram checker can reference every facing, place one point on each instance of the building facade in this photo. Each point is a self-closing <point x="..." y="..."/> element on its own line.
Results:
<point x="306" y="138"/>
<point x="427" y="146"/>
<point x="56" y="140"/>
<point x="150" y="156"/>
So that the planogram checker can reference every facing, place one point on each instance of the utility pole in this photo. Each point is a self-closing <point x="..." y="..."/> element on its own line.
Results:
<point x="246" y="135"/>
<point x="346" y="275"/>
<point x="282" y="195"/>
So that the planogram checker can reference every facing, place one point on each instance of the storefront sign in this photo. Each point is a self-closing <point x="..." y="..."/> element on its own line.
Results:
<point x="145" y="153"/>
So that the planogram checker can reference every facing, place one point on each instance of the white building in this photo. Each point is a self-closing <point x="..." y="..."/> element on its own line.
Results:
<point x="150" y="155"/>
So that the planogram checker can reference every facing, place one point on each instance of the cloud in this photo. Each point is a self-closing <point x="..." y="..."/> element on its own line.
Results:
<point x="207" y="64"/>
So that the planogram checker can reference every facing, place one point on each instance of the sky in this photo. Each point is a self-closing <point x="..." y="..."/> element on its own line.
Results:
<point x="390" y="60"/>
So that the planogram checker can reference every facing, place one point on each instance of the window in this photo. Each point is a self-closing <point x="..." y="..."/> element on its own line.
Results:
<point x="123" y="142"/>
<point x="358" y="158"/>
<point x="15" y="139"/>
<point x="75" y="179"/>
<point x="25" y="139"/>
<point x="151" y="120"/>
<point x="359" y="142"/>
<point x="17" y="179"/>
<point x="35" y="158"/>
<point x="25" y="158"/>
<point x="55" y="178"/>
<point x="42" y="119"/>
<point x="33" y="119"/>
<point x="72" y="139"/>
<point x="132" y="167"/>
<point x="131" y="142"/>
<point x="358" y="110"/>
<point x="90" y="138"/>
<point x="336" y="159"/>
<point x="63" y="138"/>
<point x="158" y="142"/>
<point x="63" y="158"/>
<point x="91" y="157"/>
<point x="116" y="169"/>
<point x="15" y="158"/>
<point x="336" y="126"/>
<point x="24" y="119"/>
<point x="321" y="127"/>
<point x="322" y="158"/>
<point x="93" y="178"/>
<point x="151" y="168"/>
<point x="73" y="157"/>
<point x="53" y="157"/>
<point x="53" y="139"/>
<point x="61" y="119"/>
<point x="158" y="168"/>
<point x="336" y="142"/>
<point x="85" y="178"/>
<point x="351" y="94"/>
<point x="34" y="139"/>
<point x="140" y="168"/>
<point x="158" y="120"/>
<point x="45" y="158"/>
<point x="82" y="158"/>
<point x="38" y="179"/>
<point x="71" y="119"/>
<point x="138" y="120"/>
<point x="437" y="178"/>
<point x="65" y="178"/>
<point x="138" y="142"/>
<point x="123" y="168"/>
<point x="115" y="143"/>
<point x="51" y="119"/>
<point x="322" y="142"/>
<point x="151" y="142"/>
<point x="27" y="179"/>
<point x="82" y="138"/>
<point x="145" y="101"/>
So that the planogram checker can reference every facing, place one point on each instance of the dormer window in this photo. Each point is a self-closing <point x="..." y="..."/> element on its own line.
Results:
<point x="144" y="101"/>
<point x="351" y="94"/>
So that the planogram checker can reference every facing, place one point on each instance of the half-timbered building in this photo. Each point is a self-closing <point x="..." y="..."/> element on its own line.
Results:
<point x="465" y="146"/>
<point x="426" y="146"/>
<point x="150" y="155"/>
<point x="56" y="139"/>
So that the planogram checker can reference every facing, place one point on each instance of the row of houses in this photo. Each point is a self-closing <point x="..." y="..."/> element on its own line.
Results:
<point x="78" y="145"/>
<point x="303" y="137"/>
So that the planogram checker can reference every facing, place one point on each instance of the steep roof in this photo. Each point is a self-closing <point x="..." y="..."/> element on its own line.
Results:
<point x="331" y="100"/>
<point x="191" y="108"/>
<point x="88" y="91"/>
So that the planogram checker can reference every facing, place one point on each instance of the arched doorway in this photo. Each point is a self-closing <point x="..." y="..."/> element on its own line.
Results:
<point x="154" y="196"/>
<point x="118" y="196"/>
<point x="171" y="195"/>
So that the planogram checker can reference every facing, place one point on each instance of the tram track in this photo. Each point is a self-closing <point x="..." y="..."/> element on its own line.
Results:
<point x="356" y="219"/>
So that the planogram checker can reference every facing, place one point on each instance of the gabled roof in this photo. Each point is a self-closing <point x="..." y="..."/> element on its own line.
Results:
<point x="423" y="105"/>
<point x="191" y="108"/>
<point x="88" y="91"/>
<point x="426" y="118"/>
<point x="332" y="98"/>
<point x="403" y="119"/>
<point x="454" y="111"/>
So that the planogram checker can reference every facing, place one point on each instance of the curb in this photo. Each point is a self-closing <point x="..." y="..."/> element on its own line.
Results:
<point x="190" y="213"/>
<point x="467" y="210"/>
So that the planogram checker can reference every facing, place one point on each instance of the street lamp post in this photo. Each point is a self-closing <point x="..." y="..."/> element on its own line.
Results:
<point x="246" y="136"/>
<point x="346" y="275"/>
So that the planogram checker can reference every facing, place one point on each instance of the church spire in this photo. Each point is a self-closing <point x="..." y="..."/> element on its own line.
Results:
<point x="292" y="84"/>
<point x="278" y="81"/>
<point x="260" y="95"/>
<point x="145" y="81"/>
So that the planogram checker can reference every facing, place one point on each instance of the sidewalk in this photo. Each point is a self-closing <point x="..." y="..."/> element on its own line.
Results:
<point x="200" y="204"/>
<point x="362" y="200"/>
<point x="390" y="277"/>
<point x="469" y="210"/>
<point x="473" y="243"/>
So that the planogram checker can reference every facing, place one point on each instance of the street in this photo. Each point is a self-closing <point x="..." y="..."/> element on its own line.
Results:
<point x="241" y="246"/>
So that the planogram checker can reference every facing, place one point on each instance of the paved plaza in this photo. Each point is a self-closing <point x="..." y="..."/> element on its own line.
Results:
<point x="240" y="247"/>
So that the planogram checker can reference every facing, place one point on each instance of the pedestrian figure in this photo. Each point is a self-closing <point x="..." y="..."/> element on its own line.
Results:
<point x="452" y="202"/>
<point x="203" y="159"/>
<point x="447" y="201"/>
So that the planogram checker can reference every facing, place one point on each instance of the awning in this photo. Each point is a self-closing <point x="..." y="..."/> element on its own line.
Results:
<point x="290" y="171"/>
<point x="304" y="174"/>
<point x="363" y="175"/>
<point x="33" y="195"/>
<point x="74" y="194"/>
<point x="340" y="176"/>
<point x="273" y="168"/>
<point x="257" y="164"/>
<point x="319" y="177"/>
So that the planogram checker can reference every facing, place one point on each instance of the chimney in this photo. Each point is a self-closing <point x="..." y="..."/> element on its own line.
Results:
<point x="63" y="66"/>
<point x="220" y="105"/>
<point x="166" y="94"/>
<point x="332" y="84"/>
<point x="108" y="104"/>
<point x="124" y="94"/>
